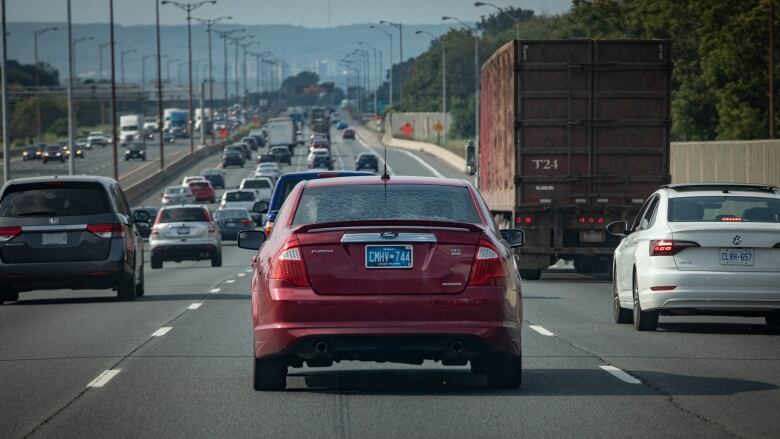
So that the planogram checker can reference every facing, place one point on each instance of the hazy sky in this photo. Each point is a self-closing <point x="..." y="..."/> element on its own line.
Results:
<point x="310" y="13"/>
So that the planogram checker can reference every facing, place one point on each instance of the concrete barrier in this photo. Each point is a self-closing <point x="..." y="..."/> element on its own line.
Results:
<point x="750" y="161"/>
<point x="423" y="124"/>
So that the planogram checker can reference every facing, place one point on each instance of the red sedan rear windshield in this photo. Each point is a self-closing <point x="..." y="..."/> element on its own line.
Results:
<point x="397" y="201"/>
<point x="199" y="185"/>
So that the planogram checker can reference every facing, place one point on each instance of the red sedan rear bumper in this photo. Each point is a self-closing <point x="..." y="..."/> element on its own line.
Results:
<point x="293" y="321"/>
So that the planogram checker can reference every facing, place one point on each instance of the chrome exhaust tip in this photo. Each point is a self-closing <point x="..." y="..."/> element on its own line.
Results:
<point x="321" y="347"/>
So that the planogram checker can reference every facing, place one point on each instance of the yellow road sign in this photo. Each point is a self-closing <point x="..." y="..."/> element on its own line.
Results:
<point x="438" y="127"/>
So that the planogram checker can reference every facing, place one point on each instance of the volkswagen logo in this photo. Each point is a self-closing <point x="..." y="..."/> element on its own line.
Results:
<point x="54" y="220"/>
<point x="388" y="235"/>
<point x="737" y="240"/>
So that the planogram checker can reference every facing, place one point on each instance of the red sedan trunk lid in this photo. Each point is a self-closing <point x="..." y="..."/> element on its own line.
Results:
<point x="338" y="264"/>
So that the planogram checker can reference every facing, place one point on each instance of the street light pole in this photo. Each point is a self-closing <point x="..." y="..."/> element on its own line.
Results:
<point x="503" y="11"/>
<point x="122" y="63"/>
<point x="168" y="68"/>
<point x="160" y="113"/>
<point x="75" y="42"/>
<point x="391" y="61"/>
<point x="189" y="7"/>
<point x="4" y="92"/>
<point x="378" y="69"/>
<point x="443" y="81"/>
<point x="244" y="70"/>
<point x="225" y="35"/>
<point x="400" y="28"/>
<point x="37" y="34"/>
<point x="71" y="134"/>
<point x="209" y="23"/>
<point x="143" y="70"/>
<point x="236" y="42"/>
<point x="476" y="90"/>
<point x="112" y="46"/>
<point x="100" y="59"/>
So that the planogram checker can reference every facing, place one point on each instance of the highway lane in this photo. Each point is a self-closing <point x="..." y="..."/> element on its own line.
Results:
<point x="698" y="375"/>
<point x="98" y="161"/>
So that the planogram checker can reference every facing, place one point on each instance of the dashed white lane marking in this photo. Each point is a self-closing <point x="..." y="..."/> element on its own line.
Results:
<point x="541" y="330"/>
<point x="619" y="374"/>
<point x="241" y="274"/>
<point x="424" y="163"/>
<point x="195" y="305"/>
<point x="248" y="271"/>
<point x="103" y="378"/>
<point x="230" y="281"/>
<point x="162" y="331"/>
<point x="215" y="290"/>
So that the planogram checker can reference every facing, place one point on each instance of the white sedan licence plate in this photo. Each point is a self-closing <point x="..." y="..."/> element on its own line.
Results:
<point x="54" y="239"/>
<point x="736" y="256"/>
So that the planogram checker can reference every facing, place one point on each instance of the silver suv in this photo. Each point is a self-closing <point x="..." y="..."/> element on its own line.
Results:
<point x="185" y="233"/>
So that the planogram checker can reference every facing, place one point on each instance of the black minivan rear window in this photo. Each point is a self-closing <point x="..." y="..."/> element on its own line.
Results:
<point x="380" y="202"/>
<point x="56" y="198"/>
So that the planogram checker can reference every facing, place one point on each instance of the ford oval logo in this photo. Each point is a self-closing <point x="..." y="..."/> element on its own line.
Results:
<point x="388" y="235"/>
<point x="54" y="220"/>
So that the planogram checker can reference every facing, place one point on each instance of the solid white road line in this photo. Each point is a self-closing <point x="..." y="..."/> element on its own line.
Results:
<point x="230" y="281"/>
<point x="162" y="331"/>
<point x="215" y="290"/>
<point x="195" y="305"/>
<point x="619" y="374"/>
<point x="541" y="330"/>
<point x="103" y="378"/>
<point x="424" y="163"/>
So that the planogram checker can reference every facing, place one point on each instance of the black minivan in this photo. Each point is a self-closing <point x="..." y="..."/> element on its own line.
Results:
<point x="69" y="233"/>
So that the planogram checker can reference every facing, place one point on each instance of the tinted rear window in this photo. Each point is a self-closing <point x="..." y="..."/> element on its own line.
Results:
<point x="231" y="213"/>
<point x="43" y="199"/>
<point x="239" y="196"/>
<point x="175" y="190"/>
<point x="199" y="185"/>
<point x="257" y="184"/>
<point x="724" y="209"/>
<point x="182" y="214"/>
<point x="370" y="202"/>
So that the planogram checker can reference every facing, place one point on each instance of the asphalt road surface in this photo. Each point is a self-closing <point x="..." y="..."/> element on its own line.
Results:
<point x="99" y="161"/>
<point x="178" y="363"/>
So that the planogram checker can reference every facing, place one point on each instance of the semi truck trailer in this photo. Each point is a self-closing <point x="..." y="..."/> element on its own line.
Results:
<point x="573" y="134"/>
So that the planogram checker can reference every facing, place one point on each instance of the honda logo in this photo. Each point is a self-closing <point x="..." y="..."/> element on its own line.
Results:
<point x="737" y="240"/>
<point x="54" y="220"/>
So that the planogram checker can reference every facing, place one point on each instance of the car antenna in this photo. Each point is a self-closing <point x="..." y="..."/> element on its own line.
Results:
<point x="385" y="175"/>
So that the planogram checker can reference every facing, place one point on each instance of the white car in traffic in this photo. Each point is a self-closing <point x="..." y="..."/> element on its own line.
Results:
<point x="268" y="170"/>
<point x="710" y="249"/>
<point x="262" y="187"/>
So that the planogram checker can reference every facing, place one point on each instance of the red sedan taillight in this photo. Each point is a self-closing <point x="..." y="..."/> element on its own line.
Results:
<point x="669" y="247"/>
<point x="7" y="233"/>
<point x="487" y="265"/>
<point x="289" y="266"/>
<point x="107" y="230"/>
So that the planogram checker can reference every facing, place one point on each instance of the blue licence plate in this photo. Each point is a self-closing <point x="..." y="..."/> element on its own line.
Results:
<point x="388" y="256"/>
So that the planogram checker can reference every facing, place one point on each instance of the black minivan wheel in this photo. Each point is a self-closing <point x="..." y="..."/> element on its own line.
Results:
<point x="125" y="291"/>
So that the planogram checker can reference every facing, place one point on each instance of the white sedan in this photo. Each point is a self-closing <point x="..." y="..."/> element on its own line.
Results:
<point x="710" y="249"/>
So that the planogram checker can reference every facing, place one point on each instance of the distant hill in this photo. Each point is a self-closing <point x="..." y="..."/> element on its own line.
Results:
<point x="300" y="47"/>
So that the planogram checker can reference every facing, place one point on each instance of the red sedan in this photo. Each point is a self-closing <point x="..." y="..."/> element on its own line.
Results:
<point x="404" y="269"/>
<point x="202" y="190"/>
<point x="349" y="133"/>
